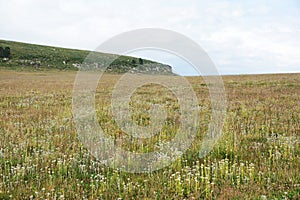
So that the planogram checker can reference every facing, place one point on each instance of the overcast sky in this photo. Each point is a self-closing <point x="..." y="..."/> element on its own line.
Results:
<point x="249" y="36"/>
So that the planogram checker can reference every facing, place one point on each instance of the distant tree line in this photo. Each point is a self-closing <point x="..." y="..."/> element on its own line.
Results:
<point x="4" y="52"/>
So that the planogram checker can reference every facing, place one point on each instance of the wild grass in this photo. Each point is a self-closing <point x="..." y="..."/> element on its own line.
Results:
<point x="42" y="158"/>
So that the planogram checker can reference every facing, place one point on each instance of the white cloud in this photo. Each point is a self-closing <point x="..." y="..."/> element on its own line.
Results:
<point x="240" y="36"/>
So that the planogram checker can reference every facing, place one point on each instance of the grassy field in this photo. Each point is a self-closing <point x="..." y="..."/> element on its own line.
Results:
<point x="41" y="157"/>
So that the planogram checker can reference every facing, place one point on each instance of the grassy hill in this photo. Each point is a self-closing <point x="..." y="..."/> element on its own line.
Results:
<point x="24" y="56"/>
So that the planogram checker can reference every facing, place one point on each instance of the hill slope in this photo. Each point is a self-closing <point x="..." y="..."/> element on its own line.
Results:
<point x="31" y="56"/>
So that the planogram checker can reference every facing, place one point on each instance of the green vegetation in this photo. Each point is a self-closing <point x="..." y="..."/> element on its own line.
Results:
<point x="4" y="52"/>
<point x="41" y="157"/>
<point x="25" y="56"/>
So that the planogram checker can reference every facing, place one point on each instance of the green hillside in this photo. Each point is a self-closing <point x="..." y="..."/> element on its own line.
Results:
<point x="24" y="56"/>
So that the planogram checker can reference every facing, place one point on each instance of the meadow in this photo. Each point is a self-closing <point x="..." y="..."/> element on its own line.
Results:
<point x="41" y="157"/>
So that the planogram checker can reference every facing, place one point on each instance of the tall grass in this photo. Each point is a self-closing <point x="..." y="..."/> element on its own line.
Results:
<point x="42" y="158"/>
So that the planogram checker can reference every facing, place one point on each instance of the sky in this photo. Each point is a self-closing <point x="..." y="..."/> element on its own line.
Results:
<point x="241" y="37"/>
